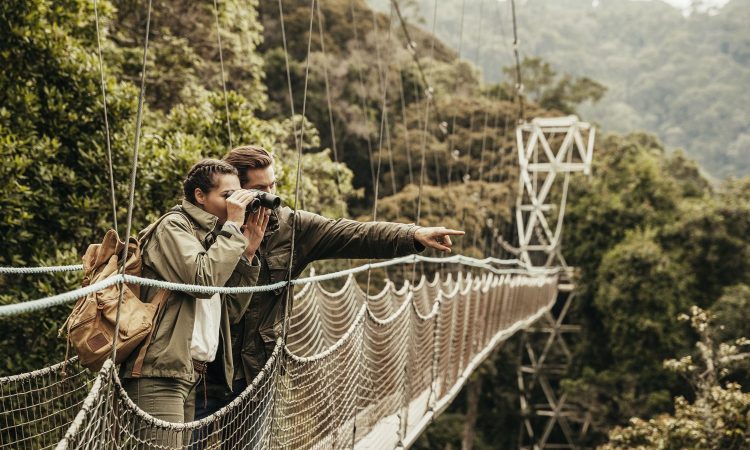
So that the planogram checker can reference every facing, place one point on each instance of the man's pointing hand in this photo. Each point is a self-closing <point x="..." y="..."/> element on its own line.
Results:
<point x="436" y="237"/>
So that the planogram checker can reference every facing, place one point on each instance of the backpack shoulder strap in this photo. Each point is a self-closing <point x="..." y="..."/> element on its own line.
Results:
<point x="147" y="232"/>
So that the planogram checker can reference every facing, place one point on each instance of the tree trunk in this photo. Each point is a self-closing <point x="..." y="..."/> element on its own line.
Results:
<point x="473" y="389"/>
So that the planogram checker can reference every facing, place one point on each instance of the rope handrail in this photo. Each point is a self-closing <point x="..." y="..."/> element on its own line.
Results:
<point x="28" y="270"/>
<point x="71" y="268"/>
<point x="11" y="270"/>
<point x="39" y="372"/>
<point x="66" y="297"/>
<point x="59" y="299"/>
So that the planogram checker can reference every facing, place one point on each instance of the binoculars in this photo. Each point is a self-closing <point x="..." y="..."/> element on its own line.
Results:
<point x="263" y="199"/>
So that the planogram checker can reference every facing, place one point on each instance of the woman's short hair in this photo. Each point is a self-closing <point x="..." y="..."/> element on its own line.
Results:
<point x="202" y="176"/>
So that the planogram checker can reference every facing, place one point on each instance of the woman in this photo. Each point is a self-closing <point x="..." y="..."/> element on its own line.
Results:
<point x="203" y="241"/>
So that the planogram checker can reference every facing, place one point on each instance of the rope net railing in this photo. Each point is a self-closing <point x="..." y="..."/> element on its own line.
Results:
<point x="36" y="408"/>
<point x="357" y="370"/>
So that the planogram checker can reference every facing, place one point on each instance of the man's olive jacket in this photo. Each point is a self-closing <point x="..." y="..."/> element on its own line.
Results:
<point x="191" y="248"/>
<point x="316" y="238"/>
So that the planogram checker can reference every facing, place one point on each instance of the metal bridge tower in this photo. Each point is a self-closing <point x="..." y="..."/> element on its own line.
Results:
<point x="550" y="151"/>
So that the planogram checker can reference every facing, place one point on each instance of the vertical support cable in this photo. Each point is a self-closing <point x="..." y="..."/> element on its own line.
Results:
<point x="362" y="92"/>
<point x="133" y="172"/>
<point x="519" y="80"/>
<point x="328" y="99"/>
<point x="223" y="76"/>
<point x="298" y="140"/>
<point x="106" y="115"/>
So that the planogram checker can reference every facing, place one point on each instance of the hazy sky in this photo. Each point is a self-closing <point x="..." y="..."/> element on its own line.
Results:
<point x="682" y="4"/>
<point x="686" y="3"/>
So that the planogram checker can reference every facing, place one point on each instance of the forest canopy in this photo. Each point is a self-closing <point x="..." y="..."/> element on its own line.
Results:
<point x="682" y="78"/>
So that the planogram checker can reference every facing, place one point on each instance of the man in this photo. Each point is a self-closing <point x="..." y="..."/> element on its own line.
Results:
<point x="315" y="238"/>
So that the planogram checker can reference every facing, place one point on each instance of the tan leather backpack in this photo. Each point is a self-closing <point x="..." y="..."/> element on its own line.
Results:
<point x="91" y="324"/>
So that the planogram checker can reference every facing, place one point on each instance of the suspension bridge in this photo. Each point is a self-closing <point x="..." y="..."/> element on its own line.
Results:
<point x="357" y="369"/>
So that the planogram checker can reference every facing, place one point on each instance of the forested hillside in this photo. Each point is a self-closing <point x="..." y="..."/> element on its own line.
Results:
<point x="53" y="138"/>
<point x="682" y="78"/>
<point x="649" y="234"/>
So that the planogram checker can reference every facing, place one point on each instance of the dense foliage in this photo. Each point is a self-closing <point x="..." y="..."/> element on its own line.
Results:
<point x="652" y="238"/>
<point x="57" y="199"/>
<point x="682" y="78"/>
<point x="720" y="415"/>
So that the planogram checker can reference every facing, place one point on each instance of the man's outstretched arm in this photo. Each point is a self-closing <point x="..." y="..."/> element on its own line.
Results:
<point x="321" y="238"/>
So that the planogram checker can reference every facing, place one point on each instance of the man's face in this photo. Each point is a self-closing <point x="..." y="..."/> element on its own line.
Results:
<point x="261" y="179"/>
<point x="215" y="200"/>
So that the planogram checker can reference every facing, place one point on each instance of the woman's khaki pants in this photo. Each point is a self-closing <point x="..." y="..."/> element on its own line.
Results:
<point x="168" y="399"/>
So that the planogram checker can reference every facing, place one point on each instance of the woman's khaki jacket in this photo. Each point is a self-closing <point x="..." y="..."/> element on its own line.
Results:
<point x="191" y="248"/>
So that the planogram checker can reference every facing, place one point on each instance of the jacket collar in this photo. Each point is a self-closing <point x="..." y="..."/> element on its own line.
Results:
<point x="205" y="221"/>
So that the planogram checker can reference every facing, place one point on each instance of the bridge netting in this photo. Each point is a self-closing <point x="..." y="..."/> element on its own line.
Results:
<point x="356" y="371"/>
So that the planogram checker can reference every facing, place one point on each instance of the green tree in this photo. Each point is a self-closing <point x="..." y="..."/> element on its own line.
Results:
<point x="710" y="236"/>
<point x="53" y="145"/>
<point x="184" y="61"/>
<point x="680" y="77"/>
<point x="720" y="415"/>
<point x="640" y="290"/>
<point x="57" y="198"/>
<point x="561" y="93"/>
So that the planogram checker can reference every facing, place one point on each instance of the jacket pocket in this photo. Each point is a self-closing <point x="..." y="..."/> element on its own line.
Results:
<point x="278" y="266"/>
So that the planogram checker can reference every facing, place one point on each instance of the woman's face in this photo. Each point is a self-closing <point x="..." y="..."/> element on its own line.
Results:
<point x="215" y="200"/>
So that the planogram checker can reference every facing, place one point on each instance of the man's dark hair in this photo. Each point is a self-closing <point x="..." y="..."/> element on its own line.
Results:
<point x="202" y="176"/>
<point x="248" y="157"/>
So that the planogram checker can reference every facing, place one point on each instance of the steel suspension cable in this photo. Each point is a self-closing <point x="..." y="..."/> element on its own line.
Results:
<point x="362" y="92"/>
<point x="428" y="98"/>
<point x="385" y="126"/>
<point x="133" y="173"/>
<point x="499" y="144"/>
<point x="428" y="101"/>
<point x="501" y="149"/>
<point x="450" y="140"/>
<point x="223" y="76"/>
<point x="412" y="48"/>
<point x="299" y="142"/>
<point x="328" y="97"/>
<point x="518" y="95"/>
<point x="480" y="45"/>
<point x="111" y="170"/>
<point x="519" y="80"/>
<point x="106" y="115"/>
<point x="289" y="291"/>
<point x="407" y="143"/>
